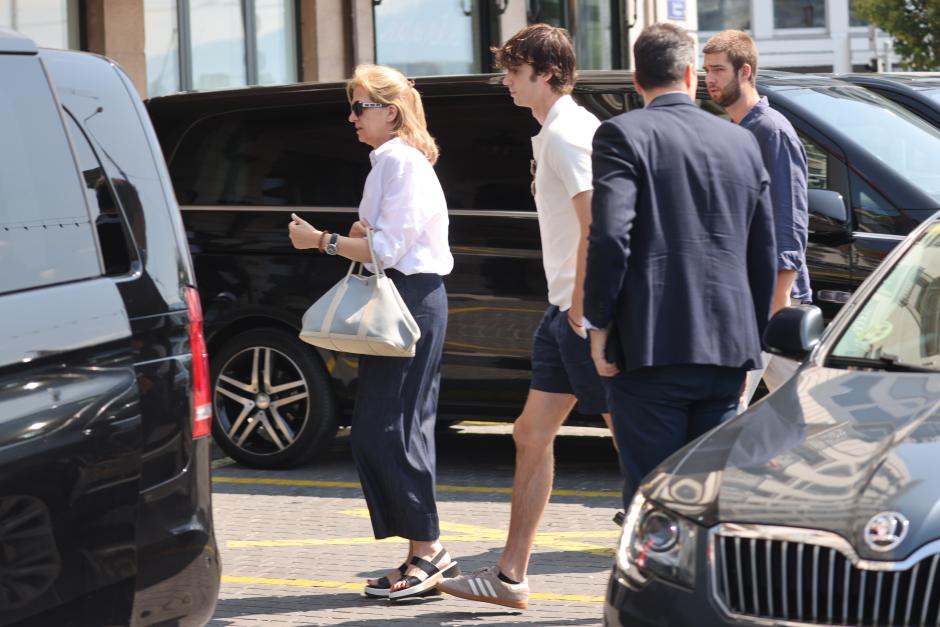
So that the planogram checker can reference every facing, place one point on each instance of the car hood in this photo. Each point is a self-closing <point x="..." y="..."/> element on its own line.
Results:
<point x="829" y="450"/>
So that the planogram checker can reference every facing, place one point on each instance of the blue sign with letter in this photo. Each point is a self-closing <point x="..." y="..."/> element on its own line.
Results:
<point x="677" y="9"/>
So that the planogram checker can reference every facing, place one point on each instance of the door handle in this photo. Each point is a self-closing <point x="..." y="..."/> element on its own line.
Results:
<point x="833" y="296"/>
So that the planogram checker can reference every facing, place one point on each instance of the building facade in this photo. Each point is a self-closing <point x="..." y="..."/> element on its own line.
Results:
<point x="178" y="45"/>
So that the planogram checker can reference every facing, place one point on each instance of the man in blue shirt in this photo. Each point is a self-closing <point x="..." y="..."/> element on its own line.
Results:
<point x="731" y="79"/>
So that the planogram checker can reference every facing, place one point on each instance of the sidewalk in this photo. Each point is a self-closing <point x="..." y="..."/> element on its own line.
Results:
<point x="297" y="545"/>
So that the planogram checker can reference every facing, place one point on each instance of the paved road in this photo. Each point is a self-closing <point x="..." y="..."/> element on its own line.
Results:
<point x="296" y="545"/>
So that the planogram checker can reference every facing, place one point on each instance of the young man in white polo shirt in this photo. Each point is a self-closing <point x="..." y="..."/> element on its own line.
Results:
<point x="539" y="62"/>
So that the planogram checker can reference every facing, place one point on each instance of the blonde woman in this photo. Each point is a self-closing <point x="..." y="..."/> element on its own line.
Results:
<point x="396" y="398"/>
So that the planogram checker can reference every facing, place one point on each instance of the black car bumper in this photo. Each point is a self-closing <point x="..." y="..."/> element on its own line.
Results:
<point x="661" y="604"/>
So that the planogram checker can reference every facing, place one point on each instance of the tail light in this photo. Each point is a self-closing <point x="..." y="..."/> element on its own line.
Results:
<point x="202" y="388"/>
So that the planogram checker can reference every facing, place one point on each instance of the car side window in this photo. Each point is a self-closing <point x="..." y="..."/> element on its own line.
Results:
<point x="486" y="146"/>
<point x="46" y="235"/>
<point x="817" y="164"/>
<point x="306" y="156"/>
<point x="873" y="213"/>
<point x="113" y="234"/>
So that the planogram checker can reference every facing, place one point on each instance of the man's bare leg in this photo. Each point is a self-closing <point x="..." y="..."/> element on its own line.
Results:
<point x="534" y="434"/>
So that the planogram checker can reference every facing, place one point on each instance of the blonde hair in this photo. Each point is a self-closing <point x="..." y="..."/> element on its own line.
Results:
<point x="389" y="86"/>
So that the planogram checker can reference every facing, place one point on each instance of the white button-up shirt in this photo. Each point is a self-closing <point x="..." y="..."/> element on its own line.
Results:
<point x="404" y="203"/>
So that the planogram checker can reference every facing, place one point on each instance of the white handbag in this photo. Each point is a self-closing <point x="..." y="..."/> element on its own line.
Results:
<point x="362" y="314"/>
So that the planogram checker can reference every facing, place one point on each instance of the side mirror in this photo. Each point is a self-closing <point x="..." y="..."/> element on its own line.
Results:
<point x="828" y="218"/>
<point x="828" y="205"/>
<point x="794" y="331"/>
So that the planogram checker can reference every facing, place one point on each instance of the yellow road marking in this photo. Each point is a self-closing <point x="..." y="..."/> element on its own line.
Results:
<point x="343" y="585"/>
<point x="298" y="583"/>
<point x="459" y="532"/>
<point x="307" y="483"/>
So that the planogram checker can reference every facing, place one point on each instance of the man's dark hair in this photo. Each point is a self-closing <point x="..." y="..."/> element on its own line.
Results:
<point x="546" y="48"/>
<point x="662" y="52"/>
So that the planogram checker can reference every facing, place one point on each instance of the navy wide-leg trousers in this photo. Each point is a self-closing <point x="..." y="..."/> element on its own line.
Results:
<point x="394" y="418"/>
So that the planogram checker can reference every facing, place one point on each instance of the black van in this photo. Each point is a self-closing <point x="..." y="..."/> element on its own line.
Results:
<point x="241" y="161"/>
<point x="918" y="92"/>
<point x="105" y="509"/>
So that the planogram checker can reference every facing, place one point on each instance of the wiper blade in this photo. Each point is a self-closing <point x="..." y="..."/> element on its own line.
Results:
<point x="882" y="362"/>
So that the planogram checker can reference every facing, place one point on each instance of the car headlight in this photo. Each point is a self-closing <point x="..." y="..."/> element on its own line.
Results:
<point x="656" y="542"/>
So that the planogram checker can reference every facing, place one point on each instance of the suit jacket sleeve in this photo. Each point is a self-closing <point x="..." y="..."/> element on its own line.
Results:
<point x="762" y="257"/>
<point x="613" y="209"/>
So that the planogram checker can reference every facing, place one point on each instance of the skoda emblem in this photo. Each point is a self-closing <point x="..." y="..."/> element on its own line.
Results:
<point x="885" y="531"/>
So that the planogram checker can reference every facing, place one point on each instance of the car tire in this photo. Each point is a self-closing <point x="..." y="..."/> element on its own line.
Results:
<point x="273" y="406"/>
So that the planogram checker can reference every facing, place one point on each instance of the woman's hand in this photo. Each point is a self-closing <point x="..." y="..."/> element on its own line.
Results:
<point x="359" y="228"/>
<point x="302" y="234"/>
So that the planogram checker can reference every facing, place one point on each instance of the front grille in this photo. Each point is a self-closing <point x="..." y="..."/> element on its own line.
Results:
<point x="815" y="584"/>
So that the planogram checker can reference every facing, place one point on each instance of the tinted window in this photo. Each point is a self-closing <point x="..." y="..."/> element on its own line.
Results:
<point x="817" y="162"/>
<point x="109" y="221"/>
<point x="873" y="212"/>
<point x="904" y="142"/>
<point x="486" y="145"/>
<point x="45" y="233"/>
<point x="283" y="156"/>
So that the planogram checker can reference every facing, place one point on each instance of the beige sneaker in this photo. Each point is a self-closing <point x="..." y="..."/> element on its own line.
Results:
<point x="486" y="586"/>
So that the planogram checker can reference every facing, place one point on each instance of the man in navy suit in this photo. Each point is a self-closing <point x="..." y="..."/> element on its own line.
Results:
<point x="681" y="259"/>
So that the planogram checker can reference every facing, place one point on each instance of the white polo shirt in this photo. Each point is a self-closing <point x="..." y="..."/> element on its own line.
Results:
<point x="562" y="151"/>
<point x="404" y="203"/>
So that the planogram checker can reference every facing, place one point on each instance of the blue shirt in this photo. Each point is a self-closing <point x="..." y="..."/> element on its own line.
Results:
<point x="785" y="162"/>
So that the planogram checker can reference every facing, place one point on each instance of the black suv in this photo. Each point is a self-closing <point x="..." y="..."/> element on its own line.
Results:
<point x="105" y="510"/>
<point x="241" y="161"/>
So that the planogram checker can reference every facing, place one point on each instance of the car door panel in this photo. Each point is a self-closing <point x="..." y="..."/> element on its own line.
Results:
<point x="70" y="440"/>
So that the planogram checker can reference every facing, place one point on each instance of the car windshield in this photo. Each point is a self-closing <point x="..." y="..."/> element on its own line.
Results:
<point x="899" y="325"/>
<point x="904" y="142"/>
<point x="933" y="94"/>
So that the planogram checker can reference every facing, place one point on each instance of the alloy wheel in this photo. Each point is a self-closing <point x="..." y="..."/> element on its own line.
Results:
<point x="262" y="400"/>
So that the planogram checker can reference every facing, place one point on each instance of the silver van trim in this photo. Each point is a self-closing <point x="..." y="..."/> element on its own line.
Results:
<point x="881" y="236"/>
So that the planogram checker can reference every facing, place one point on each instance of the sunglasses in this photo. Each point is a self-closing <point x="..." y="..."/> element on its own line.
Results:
<point x="361" y="105"/>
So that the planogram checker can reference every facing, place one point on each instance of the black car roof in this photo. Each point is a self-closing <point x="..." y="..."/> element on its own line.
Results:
<point x="471" y="83"/>
<point x="909" y="80"/>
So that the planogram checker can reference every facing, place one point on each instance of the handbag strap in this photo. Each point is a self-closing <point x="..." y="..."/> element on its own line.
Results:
<point x="379" y="270"/>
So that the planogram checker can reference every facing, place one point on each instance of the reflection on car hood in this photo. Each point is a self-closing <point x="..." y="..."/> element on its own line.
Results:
<point x="828" y="450"/>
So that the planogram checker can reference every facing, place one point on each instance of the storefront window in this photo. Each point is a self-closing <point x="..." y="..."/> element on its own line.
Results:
<point x="161" y="46"/>
<point x="427" y="37"/>
<point x="217" y="32"/>
<point x="717" y="15"/>
<point x="854" y="19"/>
<point x="274" y="30"/>
<point x="593" y="38"/>
<point x="799" y="13"/>
<point x="50" y="23"/>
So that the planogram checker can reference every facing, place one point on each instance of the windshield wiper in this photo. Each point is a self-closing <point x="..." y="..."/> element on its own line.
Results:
<point x="885" y="361"/>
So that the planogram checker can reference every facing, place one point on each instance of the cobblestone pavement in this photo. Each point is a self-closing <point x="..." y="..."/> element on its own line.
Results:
<point x="297" y="545"/>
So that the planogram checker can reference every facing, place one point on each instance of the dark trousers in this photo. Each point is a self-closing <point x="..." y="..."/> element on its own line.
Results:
<point x="394" y="417"/>
<point x="657" y="410"/>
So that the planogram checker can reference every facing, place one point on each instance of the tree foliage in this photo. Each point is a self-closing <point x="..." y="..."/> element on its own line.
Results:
<point x="914" y="24"/>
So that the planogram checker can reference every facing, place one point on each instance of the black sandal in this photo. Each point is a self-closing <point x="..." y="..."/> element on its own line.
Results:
<point x="383" y="586"/>
<point x="423" y="587"/>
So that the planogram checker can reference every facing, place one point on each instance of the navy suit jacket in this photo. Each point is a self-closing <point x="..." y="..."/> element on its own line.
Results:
<point x="681" y="256"/>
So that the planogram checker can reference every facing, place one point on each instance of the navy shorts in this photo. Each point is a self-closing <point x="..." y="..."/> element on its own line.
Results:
<point x="562" y="364"/>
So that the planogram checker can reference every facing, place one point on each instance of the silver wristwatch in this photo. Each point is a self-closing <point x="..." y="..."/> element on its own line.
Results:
<point x="331" y="245"/>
